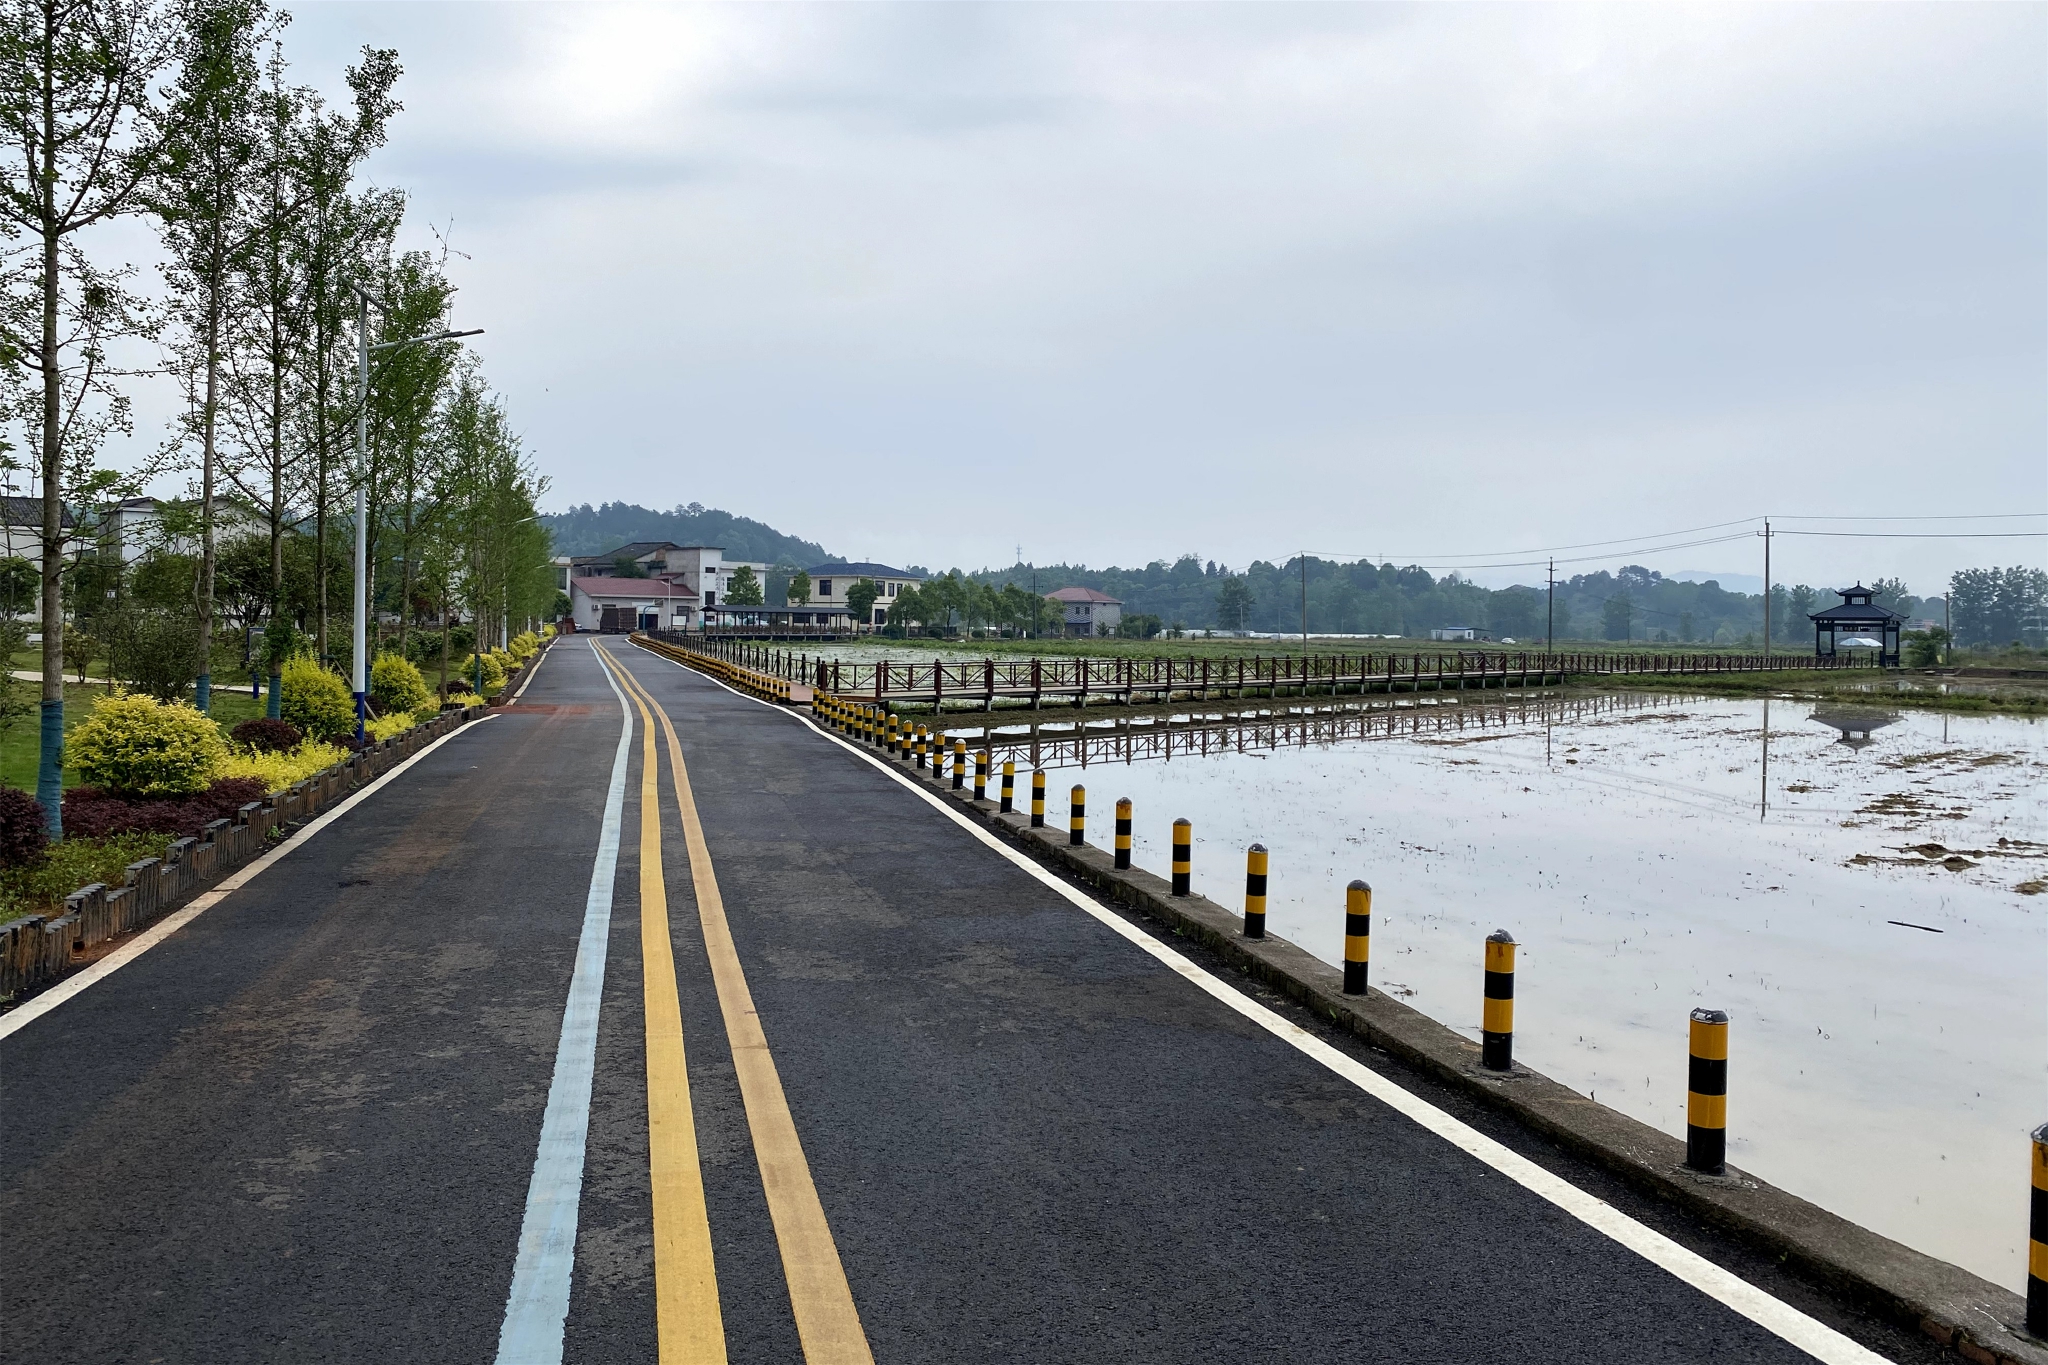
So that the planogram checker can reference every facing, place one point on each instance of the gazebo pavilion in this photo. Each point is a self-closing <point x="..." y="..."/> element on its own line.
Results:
<point x="1858" y="614"/>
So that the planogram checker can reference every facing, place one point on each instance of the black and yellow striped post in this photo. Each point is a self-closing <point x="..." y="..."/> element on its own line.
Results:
<point x="981" y="774"/>
<point x="890" y="742"/>
<point x="1037" y="800"/>
<point x="1123" y="834"/>
<point x="1183" y="855"/>
<point x="1009" y="784"/>
<point x="1497" y="1013"/>
<point x="2037" y="1240"/>
<point x="1706" y="1097"/>
<point x="1357" y="936"/>
<point x="1077" y="816"/>
<point x="959" y="764"/>
<point x="921" y="744"/>
<point x="1255" y="891"/>
<point x="869" y="725"/>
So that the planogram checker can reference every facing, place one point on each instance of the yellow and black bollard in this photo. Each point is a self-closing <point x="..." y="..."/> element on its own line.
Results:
<point x="959" y="764"/>
<point x="1497" y="1013"/>
<point x="1255" y="891"/>
<point x="1037" y="800"/>
<point x="1077" y="816"/>
<point x="1123" y="834"/>
<point x="1009" y="784"/>
<point x="981" y="774"/>
<point x="1706" y="1098"/>
<point x="1357" y="936"/>
<point x="1183" y="856"/>
<point x="922" y="742"/>
<point x="890" y="742"/>
<point x="2037" y="1239"/>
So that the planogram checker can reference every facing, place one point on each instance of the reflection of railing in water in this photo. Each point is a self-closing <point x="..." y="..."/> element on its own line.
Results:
<point x="1055" y="744"/>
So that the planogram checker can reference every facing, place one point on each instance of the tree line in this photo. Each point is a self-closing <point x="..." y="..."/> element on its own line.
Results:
<point x="186" y="115"/>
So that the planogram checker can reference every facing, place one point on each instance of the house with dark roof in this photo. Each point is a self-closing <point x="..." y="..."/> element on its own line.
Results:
<point x="21" y="526"/>
<point x="1086" y="611"/>
<point x="829" y="583"/>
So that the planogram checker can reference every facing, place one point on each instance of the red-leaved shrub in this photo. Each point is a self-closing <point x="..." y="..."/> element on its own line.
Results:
<point x="24" y="829"/>
<point x="91" y="813"/>
<point x="267" y="736"/>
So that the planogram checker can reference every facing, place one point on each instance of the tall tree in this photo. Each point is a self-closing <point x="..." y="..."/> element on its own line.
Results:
<point x="407" y="386"/>
<point x="341" y="235"/>
<point x="75" y="103"/>
<point x="199" y="192"/>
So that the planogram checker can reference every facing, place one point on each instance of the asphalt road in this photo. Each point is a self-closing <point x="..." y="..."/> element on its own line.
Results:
<point x="306" y="1127"/>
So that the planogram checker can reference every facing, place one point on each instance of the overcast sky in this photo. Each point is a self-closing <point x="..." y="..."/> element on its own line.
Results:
<point x="927" y="282"/>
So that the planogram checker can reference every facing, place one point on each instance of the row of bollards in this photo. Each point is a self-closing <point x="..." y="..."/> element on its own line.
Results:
<point x="1706" y="1100"/>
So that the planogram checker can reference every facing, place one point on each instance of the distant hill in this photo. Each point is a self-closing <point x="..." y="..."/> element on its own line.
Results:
<point x="588" y="530"/>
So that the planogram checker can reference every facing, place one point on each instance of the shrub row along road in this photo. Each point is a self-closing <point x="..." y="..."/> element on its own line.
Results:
<point x="554" y="1048"/>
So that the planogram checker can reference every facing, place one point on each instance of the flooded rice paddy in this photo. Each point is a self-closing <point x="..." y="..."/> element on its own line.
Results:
<point x="1860" y="889"/>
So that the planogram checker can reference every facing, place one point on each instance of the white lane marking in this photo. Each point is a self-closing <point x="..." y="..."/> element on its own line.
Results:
<point x="200" y="904"/>
<point x="1809" y="1334"/>
<point x="538" y="1303"/>
<point x="543" y="658"/>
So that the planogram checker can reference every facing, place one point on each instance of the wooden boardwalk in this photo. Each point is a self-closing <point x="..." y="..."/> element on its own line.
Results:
<point x="1077" y="681"/>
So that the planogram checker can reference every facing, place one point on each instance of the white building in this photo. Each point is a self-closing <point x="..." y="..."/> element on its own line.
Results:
<point x="830" y="582"/>
<point x="612" y="602"/>
<point x="136" y="525"/>
<point x="1088" y="612"/>
<point x="1455" y="633"/>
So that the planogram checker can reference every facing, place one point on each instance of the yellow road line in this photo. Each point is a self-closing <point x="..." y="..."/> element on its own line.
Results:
<point x="827" y="1322"/>
<point x="689" y="1329"/>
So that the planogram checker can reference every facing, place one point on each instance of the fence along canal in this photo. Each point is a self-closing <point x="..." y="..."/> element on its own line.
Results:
<point x="1073" y="680"/>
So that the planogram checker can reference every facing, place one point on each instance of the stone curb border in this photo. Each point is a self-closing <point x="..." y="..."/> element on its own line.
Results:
<point x="38" y="950"/>
<point x="1981" y="1321"/>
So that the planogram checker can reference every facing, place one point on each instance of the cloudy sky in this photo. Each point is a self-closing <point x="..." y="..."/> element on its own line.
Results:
<point x="928" y="282"/>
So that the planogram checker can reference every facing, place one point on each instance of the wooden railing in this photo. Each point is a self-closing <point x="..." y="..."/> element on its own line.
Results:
<point x="1073" y="680"/>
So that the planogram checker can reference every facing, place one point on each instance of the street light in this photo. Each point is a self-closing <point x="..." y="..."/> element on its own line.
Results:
<point x="359" y="661"/>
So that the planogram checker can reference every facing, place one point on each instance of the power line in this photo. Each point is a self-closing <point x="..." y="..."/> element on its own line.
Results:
<point x="1924" y="535"/>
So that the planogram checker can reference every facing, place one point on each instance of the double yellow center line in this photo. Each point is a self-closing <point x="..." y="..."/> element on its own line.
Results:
<point x="689" y="1326"/>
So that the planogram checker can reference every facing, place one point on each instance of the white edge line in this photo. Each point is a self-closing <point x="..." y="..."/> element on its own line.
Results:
<point x="539" y="659"/>
<point x="35" y="1009"/>
<point x="1807" y="1333"/>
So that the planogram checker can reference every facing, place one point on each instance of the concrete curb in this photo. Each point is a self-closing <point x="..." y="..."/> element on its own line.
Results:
<point x="1979" y="1320"/>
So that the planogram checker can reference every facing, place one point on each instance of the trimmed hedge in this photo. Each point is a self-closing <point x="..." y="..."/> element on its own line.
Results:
<point x="95" y="813"/>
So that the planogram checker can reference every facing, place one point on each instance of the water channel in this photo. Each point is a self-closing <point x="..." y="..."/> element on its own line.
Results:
<point x="1860" y="889"/>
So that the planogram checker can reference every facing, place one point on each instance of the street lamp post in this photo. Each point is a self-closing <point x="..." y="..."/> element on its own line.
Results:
<point x="359" y="662"/>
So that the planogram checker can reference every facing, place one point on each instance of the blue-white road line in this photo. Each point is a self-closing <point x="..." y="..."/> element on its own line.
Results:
<point x="539" y="1302"/>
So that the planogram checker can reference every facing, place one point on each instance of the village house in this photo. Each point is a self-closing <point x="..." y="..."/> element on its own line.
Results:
<point x="830" y="582"/>
<point x="1085" y="611"/>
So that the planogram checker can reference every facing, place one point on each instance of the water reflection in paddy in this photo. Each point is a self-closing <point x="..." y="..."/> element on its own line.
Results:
<point x="1857" y="887"/>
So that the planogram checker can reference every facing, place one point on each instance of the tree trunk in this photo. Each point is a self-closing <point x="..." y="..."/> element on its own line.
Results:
<point x="50" y="765"/>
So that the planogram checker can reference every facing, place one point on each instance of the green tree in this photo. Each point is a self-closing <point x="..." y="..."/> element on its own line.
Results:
<point x="860" y="598"/>
<point x="907" y="608"/>
<point x="1618" y="614"/>
<point x="201" y="193"/>
<point x="798" y="593"/>
<point x="745" y="588"/>
<point x="1233" y="604"/>
<point x="80" y="136"/>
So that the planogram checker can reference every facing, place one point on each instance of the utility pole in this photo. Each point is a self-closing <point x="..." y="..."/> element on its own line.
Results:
<point x="1767" y="590"/>
<point x="1549" y="612"/>
<point x="1304" y="601"/>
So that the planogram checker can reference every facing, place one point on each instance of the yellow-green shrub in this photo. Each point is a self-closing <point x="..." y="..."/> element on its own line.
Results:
<point x="144" y="747"/>
<point x="280" y="770"/>
<point x="494" y="672"/>
<point x="523" y="646"/>
<point x="465" y="699"/>
<point x="316" y="701"/>
<point x="384" y="727"/>
<point x="396" y="685"/>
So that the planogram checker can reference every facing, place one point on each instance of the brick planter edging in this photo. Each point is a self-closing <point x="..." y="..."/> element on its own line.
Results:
<point x="1980" y="1320"/>
<point x="36" y="950"/>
